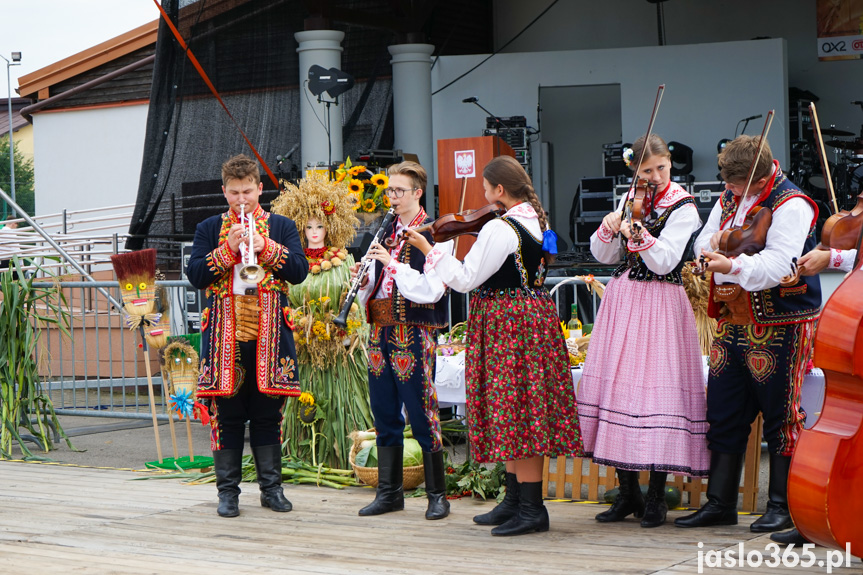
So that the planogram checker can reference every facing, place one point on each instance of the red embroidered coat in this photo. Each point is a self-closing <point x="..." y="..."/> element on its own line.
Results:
<point x="211" y="267"/>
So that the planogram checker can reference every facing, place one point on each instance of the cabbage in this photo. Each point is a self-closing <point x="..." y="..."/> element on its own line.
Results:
<point x="413" y="453"/>
<point x="367" y="457"/>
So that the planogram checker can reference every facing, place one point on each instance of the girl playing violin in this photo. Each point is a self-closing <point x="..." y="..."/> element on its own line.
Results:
<point x="642" y="404"/>
<point x="765" y="333"/>
<point x="520" y="401"/>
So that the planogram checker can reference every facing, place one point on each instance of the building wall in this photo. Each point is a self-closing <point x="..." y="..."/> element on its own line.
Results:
<point x="24" y="140"/>
<point x="691" y="112"/>
<point x="88" y="158"/>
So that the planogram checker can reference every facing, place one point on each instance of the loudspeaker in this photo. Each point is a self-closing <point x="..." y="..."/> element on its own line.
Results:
<point x="584" y="228"/>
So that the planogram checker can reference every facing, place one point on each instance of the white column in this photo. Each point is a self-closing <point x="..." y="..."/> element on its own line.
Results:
<point x="321" y="47"/>
<point x="412" y="107"/>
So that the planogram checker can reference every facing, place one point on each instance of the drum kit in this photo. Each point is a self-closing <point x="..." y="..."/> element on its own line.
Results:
<point x="845" y="151"/>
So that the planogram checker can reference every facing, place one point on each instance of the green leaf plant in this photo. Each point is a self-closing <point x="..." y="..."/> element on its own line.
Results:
<point x="24" y="312"/>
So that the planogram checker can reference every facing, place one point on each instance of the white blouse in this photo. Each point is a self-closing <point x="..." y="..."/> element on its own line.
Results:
<point x="660" y="254"/>
<point x="495" y="242"/>
<point x="842" y="260"/>
<point x="414" y="285"/>
<point x="785" y="239"/>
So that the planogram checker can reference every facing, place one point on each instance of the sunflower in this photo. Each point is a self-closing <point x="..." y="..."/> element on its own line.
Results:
<point x="355" y="200"/>
<point x="369" y="205"/>
<point x="356" y="170"/>
<point x="380" y="180"/>
<point x="355" y="186"/>
<point x="386" y="202"/>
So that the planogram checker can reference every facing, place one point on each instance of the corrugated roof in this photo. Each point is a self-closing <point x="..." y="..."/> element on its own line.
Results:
<point x="18" y="121"/>
<point x="36" y="83"/>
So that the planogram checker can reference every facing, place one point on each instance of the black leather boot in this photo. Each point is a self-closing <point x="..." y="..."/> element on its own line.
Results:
<point x="628" y="501"/>
<point x="722" y="490"/>
<point x="506" y="509"/>
<point x="776" y="517"/>
<point x="268" y="463"/>
<point x="789" y="537"/>
<point x="532" y="515"/>
<point x="433" y="466"/>
<point x="228" y="465"/>
<point x="655" y="507"/>
<point x="389" y="495"/>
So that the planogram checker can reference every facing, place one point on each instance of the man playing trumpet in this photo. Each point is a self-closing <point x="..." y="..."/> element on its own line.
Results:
<point x="248" y="360"/>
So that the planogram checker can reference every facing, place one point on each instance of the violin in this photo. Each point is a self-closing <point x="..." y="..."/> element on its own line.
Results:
<point x="450" y="226"/>
<point x="841" y="230"/>
<point x="642" y="200"/>
<point x="827" y="464"/>
<point x="750" y="237"/>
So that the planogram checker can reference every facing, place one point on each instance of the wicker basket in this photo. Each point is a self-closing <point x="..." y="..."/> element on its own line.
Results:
<point x="413" y="477"/>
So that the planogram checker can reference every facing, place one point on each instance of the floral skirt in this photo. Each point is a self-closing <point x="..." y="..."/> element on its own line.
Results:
<point x="520" y="397"/>
<point x="642" y="399"/>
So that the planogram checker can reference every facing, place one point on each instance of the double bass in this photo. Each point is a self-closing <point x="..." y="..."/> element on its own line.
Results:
<point x="827" y="465"/>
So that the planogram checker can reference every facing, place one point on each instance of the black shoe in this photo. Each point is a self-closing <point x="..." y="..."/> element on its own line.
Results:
<point x="268" y="464"/>
<point x="776" y="517"/>
<point x="791" y="537"/>
<point x="506" y="509"/>
<point x="722" y="490"/>
<point x="389" y="495"/>
<point x="629" y="500"/>
<point x="228" y="466"/>
<point x="655" y="506"/>
<point x="435" y="473"/>
<point x="532" y="515"/>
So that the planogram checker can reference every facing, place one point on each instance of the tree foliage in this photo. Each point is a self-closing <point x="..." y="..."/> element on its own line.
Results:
<point x="24" y="179"/>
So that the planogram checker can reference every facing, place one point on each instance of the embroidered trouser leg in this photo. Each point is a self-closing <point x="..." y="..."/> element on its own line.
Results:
<point x="757" y="369"/>
<point x="263" y="412"/>
<point x="401" y="372"/>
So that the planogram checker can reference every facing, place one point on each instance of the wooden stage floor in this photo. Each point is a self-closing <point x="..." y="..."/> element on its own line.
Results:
<point x="60" y="519"/>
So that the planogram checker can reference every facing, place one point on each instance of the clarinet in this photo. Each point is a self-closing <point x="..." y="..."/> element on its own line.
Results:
<point x="342" y="319"/>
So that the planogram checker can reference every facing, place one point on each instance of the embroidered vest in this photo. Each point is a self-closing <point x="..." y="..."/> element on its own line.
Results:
<point x="523" y="271"/>
<point x="781" y="305"/>
<point x="431" y="315"/>
<point x="632" y="261"/>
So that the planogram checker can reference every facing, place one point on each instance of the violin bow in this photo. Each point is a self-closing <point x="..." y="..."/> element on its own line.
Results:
<point x="656" y="104"/>
<point x="460" y="210"/>
<point x="761" y="142"/>
<point x="822" y="156"/>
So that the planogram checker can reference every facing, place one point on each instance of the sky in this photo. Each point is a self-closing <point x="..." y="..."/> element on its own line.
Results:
<point x="46" y="31"/>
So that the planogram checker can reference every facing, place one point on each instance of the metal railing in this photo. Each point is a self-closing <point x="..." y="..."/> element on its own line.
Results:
<point x="99" y="371"/>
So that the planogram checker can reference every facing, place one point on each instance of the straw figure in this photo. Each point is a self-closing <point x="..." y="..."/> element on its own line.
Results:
<point x="181" y="363"/>
<point x="136" y="273"/>
<point x="157" y="334"/>
<point x="332" y="360"/>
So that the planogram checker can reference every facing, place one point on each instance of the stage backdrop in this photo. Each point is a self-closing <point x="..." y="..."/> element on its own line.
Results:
<point x="707" y="91"/>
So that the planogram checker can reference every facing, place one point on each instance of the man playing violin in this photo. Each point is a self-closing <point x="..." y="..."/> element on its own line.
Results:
<point x="765" y="332"/>
<point x="405" y="308"/>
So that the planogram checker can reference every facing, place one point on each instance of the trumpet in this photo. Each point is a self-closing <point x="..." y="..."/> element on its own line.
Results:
<point x="250" y="272"/>
<point x="342" y="319"/>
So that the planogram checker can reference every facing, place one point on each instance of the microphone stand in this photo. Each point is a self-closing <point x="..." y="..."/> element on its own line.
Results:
<point x="499" y="122"/>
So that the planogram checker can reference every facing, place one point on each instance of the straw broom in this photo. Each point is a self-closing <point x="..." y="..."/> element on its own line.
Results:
<point x="698" y="291"/>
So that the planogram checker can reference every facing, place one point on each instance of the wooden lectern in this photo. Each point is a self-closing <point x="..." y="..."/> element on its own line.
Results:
<point x="463" y="159"/>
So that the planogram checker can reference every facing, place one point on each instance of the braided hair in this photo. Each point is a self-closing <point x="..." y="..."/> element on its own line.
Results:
<point x="507" y="172"/>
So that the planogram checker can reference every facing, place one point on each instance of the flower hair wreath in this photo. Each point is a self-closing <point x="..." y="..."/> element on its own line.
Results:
<point x="628" y="156"/>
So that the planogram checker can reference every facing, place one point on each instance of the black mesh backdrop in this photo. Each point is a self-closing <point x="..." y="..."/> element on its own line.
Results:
<point x="249" y="53"/>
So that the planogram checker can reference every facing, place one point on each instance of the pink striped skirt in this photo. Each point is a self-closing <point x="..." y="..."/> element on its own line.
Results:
<point x="641" y="400"/>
